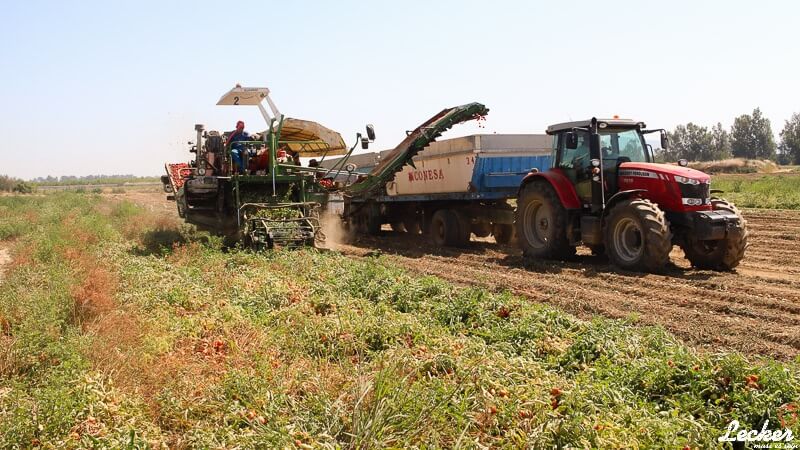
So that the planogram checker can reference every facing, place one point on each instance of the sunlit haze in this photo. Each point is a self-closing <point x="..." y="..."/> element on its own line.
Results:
<point x="101" y="87"/>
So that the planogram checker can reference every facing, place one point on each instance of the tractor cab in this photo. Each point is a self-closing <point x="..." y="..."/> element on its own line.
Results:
<point x="618" y="141"/>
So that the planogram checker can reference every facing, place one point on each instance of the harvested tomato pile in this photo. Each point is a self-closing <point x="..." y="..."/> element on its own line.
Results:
<point x="176" y="175"/>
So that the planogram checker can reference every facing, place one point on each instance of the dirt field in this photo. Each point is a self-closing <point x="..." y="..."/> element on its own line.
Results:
<point x="755" y="310"/>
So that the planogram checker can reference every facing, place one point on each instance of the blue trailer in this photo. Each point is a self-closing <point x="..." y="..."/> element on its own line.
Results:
<point x="454" y="188"/>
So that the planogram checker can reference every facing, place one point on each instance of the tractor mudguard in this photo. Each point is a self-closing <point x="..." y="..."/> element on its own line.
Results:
<point x="561" y="184"/>
<point x="621" y="195"/>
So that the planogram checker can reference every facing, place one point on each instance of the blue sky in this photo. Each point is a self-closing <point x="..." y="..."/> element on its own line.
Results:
<point x="98" y="87"/>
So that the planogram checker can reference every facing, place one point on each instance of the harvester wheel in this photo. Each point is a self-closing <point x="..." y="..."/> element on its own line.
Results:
<point x="541" y="223"/>
<point x="444" y="228"/>
<point x="638" y="236"/>
<point x="723" y="254"/>
<point x="398" y="227"/>
<point x="503" y="233"/>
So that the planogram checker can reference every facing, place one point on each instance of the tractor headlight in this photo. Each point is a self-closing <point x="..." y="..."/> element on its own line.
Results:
<point x="684" y="180"/>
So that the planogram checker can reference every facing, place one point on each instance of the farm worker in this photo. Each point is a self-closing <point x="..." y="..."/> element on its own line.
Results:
<point x="237" y="149"/>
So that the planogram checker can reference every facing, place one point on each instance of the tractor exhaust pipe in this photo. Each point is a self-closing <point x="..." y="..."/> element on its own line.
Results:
<point x="201" y="151"/>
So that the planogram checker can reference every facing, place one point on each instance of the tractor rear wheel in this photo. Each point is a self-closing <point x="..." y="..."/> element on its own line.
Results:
<point x="638" y="236"/>
<point x="541" y="223"/>
<point x="723" y="254"/>
<point x="444" y="228"/>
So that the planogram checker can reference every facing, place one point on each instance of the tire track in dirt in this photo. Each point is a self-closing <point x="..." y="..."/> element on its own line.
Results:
<point x="5" y="259"/>
<point x="755" y="310"/>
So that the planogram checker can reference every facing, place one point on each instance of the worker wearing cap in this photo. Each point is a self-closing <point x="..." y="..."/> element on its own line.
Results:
<point x="237" y="149"/>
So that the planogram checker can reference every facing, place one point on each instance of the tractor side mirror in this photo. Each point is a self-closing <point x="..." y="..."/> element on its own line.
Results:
<point x="364" y="143"/>
<point x="664" y="140"/>
<point x="571" y="140"/>
<point x="371" y="132"/>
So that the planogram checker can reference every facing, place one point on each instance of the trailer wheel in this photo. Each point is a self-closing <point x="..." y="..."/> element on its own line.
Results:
<point x="412" y="225"/>
<point x="464" y="229"/>
<point x="542" y="223"/>
<point x="503" y="233"/>
<point x="723" y="254"/>
<point x="638" y="236"/>
<point x="444" y="228"/>
<point x="597" y="249"/>
<point x="398" y="227"/>
<point x="482" y="229"/>
<point x="365" y="222"/>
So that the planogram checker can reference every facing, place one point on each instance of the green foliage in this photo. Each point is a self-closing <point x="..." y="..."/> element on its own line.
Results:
<point x="765" y="191"/>
<point x="23" y="188"/>
<point x="752" y="138"/>
<point x="790" y="140"/>
<point x="311" y="349"/>
<point x="696" y="143"/>
<point x="7" y="183"/>
<point x="93" y="180"/>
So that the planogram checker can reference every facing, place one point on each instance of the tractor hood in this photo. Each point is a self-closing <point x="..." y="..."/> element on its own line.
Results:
<point x="667" y="169"/>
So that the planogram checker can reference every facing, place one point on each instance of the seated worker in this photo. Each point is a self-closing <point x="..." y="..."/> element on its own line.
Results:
<point x="315" y="163"/>
<point x="295" y="156"/>
<point x="237" y="149"/>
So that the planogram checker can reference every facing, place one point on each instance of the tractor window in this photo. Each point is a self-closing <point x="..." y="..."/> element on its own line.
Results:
<point x="575" y="158"/>
<point x="622" y="143"/>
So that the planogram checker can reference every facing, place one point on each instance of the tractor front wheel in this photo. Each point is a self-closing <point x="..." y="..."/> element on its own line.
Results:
<point x="638" y="236"/>
<point x="723" y="254"/>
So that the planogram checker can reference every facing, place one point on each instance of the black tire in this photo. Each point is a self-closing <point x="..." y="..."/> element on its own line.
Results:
<point x="503" y="233"/>
<point x="444" y="228"/>
<point x="721" y="255"/>
<point x="541" y="224"/>
<point x="365" y="222"/>
<point x="481" y="229"/>
<point x="597" y="249"/>
<point x="638" y="236"/>
<point x="412" y="225"/>
<point x="398" y="227"/>
<point x="464" y="229"/>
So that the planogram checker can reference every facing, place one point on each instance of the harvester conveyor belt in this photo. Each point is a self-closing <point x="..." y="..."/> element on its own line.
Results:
<point x="416" y="140"/>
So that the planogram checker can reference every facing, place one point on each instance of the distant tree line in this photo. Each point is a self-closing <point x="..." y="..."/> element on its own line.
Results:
<point x="11" y="184"/>
<point x="89" y="179"/>
<point x="750" y="137"/>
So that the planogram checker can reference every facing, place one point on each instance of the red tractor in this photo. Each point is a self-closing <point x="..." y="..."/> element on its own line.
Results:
<point x="604" y="190"/>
